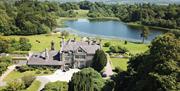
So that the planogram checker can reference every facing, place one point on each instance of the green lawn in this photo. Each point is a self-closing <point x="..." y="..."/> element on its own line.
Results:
<point x="16" y="75"/>
<point x="34" y="86"/>
<point x="45" y="42"/>
<point x="133" y="48"/>
<point x="120" y="62"/>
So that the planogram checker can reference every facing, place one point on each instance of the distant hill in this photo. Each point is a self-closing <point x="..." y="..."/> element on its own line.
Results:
<point x="125" y="1"/>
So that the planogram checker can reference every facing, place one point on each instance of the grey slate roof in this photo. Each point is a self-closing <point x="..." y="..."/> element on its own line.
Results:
<point x="38" y="59"/>
<point x="89" y="48"/>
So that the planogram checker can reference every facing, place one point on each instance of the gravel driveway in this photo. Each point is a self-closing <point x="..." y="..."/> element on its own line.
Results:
<point x="59" y="75"/>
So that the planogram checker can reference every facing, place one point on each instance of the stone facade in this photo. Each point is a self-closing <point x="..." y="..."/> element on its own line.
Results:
<point x="73" y="54"/>
<point x="78" y="54"/>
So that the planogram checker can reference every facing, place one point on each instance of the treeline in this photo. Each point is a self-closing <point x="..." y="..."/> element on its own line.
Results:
<point x="146" y="14"/>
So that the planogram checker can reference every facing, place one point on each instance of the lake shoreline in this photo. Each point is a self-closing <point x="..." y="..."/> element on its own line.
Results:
<point x="76" y="31"/>
<point x="131" y="24"/>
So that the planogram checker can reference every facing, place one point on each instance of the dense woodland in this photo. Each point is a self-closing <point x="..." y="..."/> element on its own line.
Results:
<point x="146" y="14"/>
<point x="27" y="17"/>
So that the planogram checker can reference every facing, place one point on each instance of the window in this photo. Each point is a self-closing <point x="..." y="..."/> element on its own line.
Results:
<point x="82" y="64"/>
<point x="80" y="51"/>
<point x="80" y="56"/>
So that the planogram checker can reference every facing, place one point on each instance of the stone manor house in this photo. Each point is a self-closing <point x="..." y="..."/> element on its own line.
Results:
<point x="73" y="54"/>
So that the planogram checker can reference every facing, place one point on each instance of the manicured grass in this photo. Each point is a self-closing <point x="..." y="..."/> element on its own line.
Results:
<point x="34" y="86"/>
<point x="17" y="75"/>
<point x="133" y="48"/>
<point x="45" y="41"/>
<point x="120" y="62"/>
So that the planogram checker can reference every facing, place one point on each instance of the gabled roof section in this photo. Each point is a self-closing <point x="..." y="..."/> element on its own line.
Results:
<point x="89" y="48"/>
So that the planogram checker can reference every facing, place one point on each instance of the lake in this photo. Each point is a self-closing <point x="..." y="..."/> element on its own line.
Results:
<point x="107" y="29"/>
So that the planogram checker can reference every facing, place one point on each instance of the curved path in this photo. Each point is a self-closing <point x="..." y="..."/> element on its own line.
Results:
<point x="108" y="68"/>
<point x="10" y="69"/>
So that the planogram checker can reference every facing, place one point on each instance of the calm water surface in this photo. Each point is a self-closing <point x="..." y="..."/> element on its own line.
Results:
<point x="110" y="28"/>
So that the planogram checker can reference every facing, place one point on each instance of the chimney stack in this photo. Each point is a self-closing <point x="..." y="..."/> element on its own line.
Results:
<point x="100" y="40"/>
<point x="46" y="54"/>
<point x="62" y="41"/>
<point x="52" y="45"/>
<point x="74" y="39"/>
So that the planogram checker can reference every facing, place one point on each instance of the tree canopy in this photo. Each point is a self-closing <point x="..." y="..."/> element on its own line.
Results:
<point x="86" y="80"/>
<point x="99" y="61"/>
<point x="158" y="69"/>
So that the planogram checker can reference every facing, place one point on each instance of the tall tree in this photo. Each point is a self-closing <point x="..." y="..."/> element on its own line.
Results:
<point x="144" y="33"/>
<point x="99" y="60"/>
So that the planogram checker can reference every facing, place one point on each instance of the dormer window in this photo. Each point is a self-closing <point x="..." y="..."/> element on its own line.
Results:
<point x="80" y="51"/>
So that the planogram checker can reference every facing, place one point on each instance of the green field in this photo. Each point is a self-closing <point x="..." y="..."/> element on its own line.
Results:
<point x="120" y="62"/>
<point x="133" y="48"/>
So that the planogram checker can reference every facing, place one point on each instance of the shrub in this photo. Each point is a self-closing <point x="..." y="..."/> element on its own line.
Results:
<point x="24" y="44"/>
<point x="4" y="63"/>
<point x="46" y="72"/>
<point x="23" y="68"/>
<point x="3" y="67"/>
<point x="65" y="34"/>
<point x="125" y="42"/>
<point x="118" y="70"/>
<point x="118" y="49"/>
<point x="15" y="85"/>
<point x="107" y="44"/>
<point x="28" y="80"/>
<point x="38" y="72"/>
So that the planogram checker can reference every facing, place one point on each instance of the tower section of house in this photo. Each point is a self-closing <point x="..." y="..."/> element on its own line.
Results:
<point x="78" y="54"/>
